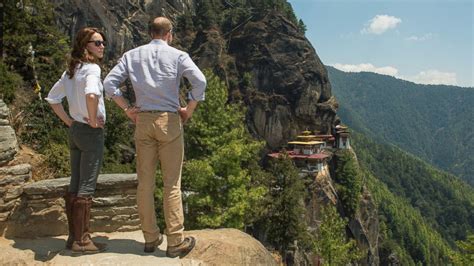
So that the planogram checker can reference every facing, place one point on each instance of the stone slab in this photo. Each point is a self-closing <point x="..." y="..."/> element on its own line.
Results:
<point x="19" y="169"/>
<point x="59" y="185"/>
<point x="14" y="179"/>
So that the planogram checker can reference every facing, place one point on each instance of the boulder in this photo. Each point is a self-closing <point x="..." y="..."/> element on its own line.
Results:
<point x="229" y="247"/>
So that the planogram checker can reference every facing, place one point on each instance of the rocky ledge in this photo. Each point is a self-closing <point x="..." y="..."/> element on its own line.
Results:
<point x="213" y="247"/>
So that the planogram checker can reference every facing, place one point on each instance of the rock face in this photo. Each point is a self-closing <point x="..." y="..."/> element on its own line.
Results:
<point x="40" y="210"/>
<point x="8" y="141"/>
<point x="293" y="80"/>
<point x="365" y="228"/>
<point x="125" y="23"/>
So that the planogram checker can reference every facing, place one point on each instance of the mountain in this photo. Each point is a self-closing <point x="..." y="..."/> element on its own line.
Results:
<point x="434" y="122"/>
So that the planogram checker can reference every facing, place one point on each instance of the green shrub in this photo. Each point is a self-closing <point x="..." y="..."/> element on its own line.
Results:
<point x="57" y="157"/>
<point x="9" y="82"/>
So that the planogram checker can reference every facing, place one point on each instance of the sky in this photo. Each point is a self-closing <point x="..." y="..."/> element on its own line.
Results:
<point x="424" y="41"/>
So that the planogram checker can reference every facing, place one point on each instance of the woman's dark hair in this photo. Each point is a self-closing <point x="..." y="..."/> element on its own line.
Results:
<point x="79" y="53"/>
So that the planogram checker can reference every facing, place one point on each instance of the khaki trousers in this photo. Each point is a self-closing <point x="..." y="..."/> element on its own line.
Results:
<point x="159" y="137"/>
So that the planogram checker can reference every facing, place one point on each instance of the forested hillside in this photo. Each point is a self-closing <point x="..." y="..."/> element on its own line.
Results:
<point x="423" y="210"/>
<point x="434" y="122"/>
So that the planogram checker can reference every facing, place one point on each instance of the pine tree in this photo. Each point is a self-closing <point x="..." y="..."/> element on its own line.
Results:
<point x="219" y="191"/>
<point x="466" y="254"/>
<point x="31" y="27"/>
<point x="301" y="26"/>
<point x="9" y="82"/>
<point x="208" y="13"/>
<point x="330" y="241"/>
<point x="284" y="219"/>
<point x="348" y="181"/>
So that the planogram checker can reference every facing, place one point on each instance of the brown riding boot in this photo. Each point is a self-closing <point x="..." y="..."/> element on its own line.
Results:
<point x="69" y="201"/>
<point x="81" y="216"/>
<point x="101" y="246"/>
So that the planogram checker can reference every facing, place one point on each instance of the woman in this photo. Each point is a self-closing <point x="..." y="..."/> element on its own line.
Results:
<point x="82" y="86"/>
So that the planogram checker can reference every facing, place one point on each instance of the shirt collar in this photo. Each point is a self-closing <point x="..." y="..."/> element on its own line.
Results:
<point x="159" y="41"/>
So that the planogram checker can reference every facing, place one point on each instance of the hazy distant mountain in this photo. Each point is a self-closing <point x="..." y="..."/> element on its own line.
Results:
<point x="434" y="122"/>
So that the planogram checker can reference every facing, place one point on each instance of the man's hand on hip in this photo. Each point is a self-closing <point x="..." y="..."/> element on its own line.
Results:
<point x="132" y="113"/>
<point x="185" y="113"/>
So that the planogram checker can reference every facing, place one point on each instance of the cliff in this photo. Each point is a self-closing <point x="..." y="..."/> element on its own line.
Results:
<point x="124" y="23"/>
<point x="292" y="83"/>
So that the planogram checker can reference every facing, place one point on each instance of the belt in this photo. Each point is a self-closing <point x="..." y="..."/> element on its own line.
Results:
<point x="157" y="111"/>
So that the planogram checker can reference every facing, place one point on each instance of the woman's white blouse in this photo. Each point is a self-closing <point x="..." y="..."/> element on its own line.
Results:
<point x="86" y="80"/>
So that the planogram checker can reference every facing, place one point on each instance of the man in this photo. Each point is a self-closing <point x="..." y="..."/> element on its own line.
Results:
<point x="155" y="70"/>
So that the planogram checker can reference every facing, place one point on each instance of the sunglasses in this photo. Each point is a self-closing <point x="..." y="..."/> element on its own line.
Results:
<point x="98" y="43"/>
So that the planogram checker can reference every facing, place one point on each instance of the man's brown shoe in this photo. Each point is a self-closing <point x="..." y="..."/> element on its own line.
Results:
<point x="151" y="246"/>
<point x="182" y="249"/>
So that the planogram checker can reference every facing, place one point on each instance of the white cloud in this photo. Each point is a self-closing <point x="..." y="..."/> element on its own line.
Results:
<point x="387" y="70"/>
<point x="380" y="24"/>
<point x="433" y="76"/>
<point x="425" y="37"/>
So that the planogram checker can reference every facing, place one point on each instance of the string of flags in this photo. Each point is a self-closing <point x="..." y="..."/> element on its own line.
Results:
<point x="36" y="87"/>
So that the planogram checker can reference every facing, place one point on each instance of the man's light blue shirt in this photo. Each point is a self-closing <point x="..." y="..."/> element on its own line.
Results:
<point x="155" y="70"/>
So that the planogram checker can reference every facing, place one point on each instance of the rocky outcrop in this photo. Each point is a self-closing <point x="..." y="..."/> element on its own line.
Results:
<point x="213" y="247"/>
<point x="239" y="248"/>
<point x="365" y="228"/>
<point x="40" y="210"/>
<point x="322" y="192"/>
<point x="125" y="23"/>
<point x="8" y="141"/>
<point x="293" y="86"/>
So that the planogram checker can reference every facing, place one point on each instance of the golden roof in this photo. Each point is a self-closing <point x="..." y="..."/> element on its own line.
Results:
<point x="305" y="142"/>
<point x="305" y="136"/>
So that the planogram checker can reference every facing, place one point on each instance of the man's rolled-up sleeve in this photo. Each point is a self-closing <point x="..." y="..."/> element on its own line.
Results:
<point x="115" y="78"/>
<point x="194" y="75"/>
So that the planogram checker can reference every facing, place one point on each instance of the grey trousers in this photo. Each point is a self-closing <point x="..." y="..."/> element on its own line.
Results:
<point x="86" y="145"/>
